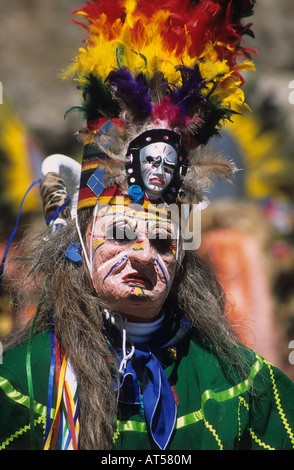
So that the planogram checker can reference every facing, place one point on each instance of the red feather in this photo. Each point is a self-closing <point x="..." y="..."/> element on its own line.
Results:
<point x="113" y="10"/>
<point x="203" y="22"/>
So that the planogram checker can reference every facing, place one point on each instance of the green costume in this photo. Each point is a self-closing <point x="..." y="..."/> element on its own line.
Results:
<point x="215" y="410"/>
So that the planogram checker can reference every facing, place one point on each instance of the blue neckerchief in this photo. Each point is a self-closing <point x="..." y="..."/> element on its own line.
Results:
<point x="159" y="404"/>
<point x="145" y="369"/>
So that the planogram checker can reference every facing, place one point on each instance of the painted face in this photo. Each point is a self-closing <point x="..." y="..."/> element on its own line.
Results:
<point x="133" y="261"/>
<point x="158" y="162"/>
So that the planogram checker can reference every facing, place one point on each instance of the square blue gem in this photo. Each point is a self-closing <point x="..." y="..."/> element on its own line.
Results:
<point x="96" y="182"/>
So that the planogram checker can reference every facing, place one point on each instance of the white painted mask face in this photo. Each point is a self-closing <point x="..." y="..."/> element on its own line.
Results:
<point x="158" y="163"/>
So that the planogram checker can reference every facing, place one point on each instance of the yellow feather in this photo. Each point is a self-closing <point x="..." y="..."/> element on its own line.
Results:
<point x="18" y="175"/>
<point x="130" y="6"/>
<point x="145" y="51"/>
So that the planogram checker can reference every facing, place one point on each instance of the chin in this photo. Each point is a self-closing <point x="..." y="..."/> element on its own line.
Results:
<point x="133" y="298"/>
<point x="136" y="299"/>
<point x="134" y="305"/>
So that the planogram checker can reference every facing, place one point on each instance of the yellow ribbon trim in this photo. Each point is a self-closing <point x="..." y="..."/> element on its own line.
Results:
<point x="20" y="432"/>
<point x="279" y="405"/>
<point x="252" y="433"/>
<point x="237" y="389"/>
<point x="22" y="399"/>
<point x="189" y="419"/>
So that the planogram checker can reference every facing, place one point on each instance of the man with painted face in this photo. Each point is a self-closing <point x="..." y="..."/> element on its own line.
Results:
<point x="130" y="347"/>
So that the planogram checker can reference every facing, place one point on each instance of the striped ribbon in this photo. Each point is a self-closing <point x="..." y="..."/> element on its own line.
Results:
<point x="65" y="424"/>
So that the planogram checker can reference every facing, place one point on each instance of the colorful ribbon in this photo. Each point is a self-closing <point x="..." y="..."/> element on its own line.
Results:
<point x="65" y="424"/>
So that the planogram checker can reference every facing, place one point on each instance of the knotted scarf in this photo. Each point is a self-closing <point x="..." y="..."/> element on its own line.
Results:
<point x="158" y="399"/>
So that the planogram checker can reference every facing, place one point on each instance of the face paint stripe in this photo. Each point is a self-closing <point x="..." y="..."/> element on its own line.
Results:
<point x="162" y="270"/>
<point x="173" y="250"/>
<point x="99" y="243"/>
<point x="137" y="291"/>
<point x="109" y="262"/>
<point x="138" y="247"/>
<point x="115" y="266"/>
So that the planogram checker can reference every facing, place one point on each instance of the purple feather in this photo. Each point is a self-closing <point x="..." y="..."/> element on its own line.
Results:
<point x="189" y="94"/>
<point x="132" y="91"/>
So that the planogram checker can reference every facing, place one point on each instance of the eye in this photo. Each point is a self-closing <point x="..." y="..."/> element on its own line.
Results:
<point x="169" y="165"/>
<point x="163" y="242"/>
<point x="161" y="245"/>
<point x="149" y="159"/>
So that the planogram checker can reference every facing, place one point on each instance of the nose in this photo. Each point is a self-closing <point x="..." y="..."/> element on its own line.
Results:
<point x="158" y="161"/>
<point x="159" y="169"/>
<point x="142" y="251"/>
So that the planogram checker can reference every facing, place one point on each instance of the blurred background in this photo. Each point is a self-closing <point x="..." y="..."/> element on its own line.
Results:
<point x="248" y="228"/>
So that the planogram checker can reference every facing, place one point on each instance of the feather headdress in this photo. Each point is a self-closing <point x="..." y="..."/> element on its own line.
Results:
<point x="172" y="65"/>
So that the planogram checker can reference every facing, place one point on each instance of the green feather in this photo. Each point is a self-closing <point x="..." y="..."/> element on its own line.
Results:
<point x="97" y="100"/>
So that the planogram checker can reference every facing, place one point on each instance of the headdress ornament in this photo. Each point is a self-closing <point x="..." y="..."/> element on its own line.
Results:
<point x="166" y="72"/>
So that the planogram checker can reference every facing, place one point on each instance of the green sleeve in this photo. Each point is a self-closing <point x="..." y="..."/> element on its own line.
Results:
<point x="272" y="411"/>
<point x="14" y="396"/>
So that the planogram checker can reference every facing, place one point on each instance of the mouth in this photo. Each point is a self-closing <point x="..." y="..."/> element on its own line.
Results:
<point x="136" y="279"/>
<point x="158" y="181"/>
